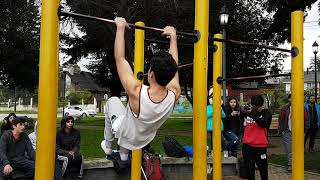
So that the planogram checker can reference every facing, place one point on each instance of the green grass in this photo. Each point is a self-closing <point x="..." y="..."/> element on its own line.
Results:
<point x="91" y="130"/>
<point x="311" y="161"/>
<point x="181" y="114"/>
<point x="100" y="114"/>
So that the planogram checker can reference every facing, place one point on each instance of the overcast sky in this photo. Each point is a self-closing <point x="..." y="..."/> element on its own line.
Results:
<point x="311" y="34"/>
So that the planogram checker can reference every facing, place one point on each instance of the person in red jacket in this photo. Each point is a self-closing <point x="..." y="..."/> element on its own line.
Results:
<point x="255" y="138"/>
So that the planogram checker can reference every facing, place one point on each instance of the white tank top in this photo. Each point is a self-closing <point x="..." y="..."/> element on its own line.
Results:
<point x="136" y="131"/>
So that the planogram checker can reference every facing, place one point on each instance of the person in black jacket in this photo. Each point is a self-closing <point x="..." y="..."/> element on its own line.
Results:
<point x="68" y="146"/>
<point x="255" y="138"/>
<point x="14" y="146"/>
<point x="232" y="125"/>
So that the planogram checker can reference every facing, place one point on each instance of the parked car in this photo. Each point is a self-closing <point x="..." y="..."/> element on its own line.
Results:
<point x="76" y="111"/>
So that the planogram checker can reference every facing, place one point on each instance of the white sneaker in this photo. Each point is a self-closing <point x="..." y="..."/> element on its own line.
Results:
<point x="106" y="150"/>
<point x="225" y="154"/>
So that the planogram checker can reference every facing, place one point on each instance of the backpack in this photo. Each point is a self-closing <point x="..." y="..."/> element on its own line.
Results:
<point x="121" y="167"/>
<point x="152" y="169"/>
<point x="172" y="148"/>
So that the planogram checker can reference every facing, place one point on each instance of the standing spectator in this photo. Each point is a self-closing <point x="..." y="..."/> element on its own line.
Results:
<point x="255" y="139"/>
<point x="14" y="146"/>
<point x="312" y="122"/>
<point x="7" y="122"/>
<point x="232" y="125"/>
<point x="68" y="146"/>
<point x="209" y="125"/>
<point x="285" y="127"/>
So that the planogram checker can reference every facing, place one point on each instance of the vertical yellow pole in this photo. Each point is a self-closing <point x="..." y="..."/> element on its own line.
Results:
<point x="200" y="91"/>
<point x="216" y="120"/>
<point x="297" y="96"/>
<point x="48" y="90"/>
<point x="138" y="67"/>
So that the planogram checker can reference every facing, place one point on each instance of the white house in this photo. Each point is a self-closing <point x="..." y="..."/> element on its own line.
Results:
<point x="309" y="82"/>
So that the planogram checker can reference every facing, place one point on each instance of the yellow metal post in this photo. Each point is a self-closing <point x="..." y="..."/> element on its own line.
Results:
<point x="48" y="91"/>
<point x="138" y="68"/>
<point x="200" y="91"/>
<point x="297" y="96"/>
<point x="216" y="120"/>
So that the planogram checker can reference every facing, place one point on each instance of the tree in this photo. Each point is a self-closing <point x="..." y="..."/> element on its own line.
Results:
<point x="248" y="22"/>
<point x="75" y="97"/>
<point x="19" y="44"/>
<point x="277" y="98"/>
<point x="312" y="60"/>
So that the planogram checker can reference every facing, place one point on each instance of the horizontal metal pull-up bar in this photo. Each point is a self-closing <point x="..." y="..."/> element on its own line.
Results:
<point x="220" y="79"/>
<point x="179" y="44"/>
<point x="251" y="44"/>
<point x="194" y="35"/>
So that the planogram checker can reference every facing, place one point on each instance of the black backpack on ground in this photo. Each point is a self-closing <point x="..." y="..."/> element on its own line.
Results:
<point x="121" y="167"/>
<point x="172" y="148"/>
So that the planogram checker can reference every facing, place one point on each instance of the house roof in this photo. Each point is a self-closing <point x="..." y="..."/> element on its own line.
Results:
<point x="85" y="80"/>
<point x="308" y="77"/>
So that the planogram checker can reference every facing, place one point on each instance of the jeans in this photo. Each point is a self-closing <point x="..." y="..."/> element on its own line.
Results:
<point x="287" y="142"/>
<point x="233" y="141"/>
<point x="311" y="132"/>
<point x="24" y="165"/>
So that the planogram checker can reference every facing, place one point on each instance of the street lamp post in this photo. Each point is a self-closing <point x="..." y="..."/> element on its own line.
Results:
<point x="64" y="74"/>
<point x="224" y="16"/>
<point x="315" y="51"/>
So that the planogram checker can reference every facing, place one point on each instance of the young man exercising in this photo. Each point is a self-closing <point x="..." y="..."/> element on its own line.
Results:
<point x="148" y="107"/>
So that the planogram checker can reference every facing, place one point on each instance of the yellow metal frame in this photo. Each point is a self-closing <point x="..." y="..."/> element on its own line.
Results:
<point x="216" y="120"/>
<point x="200" y="91"/>
<point x="297" y="77"/>
<point x="138" y="67"/>
<point x="48" y="91"/>
<point x="48" y="94"/>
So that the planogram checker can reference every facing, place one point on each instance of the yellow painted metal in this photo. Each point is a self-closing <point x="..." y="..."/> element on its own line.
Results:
<point x="297" y="96"/>
<point x="200" y="91"/>
<point x="48" y="90"/>
<point x="138" y="67"/>
<point x="216" y="120"/>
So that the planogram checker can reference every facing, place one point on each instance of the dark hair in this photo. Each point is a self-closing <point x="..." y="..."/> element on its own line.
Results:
<point x="228" y="107"/>
<point x="164" y="67"/>
<point x="12" y="114"/>
<point x="64" y="120"/>
<point x="18" y="121"/>
<point x="311" y="95"/>
<point x="257" y="100"/>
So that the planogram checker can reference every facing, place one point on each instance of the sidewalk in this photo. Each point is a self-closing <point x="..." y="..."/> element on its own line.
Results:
<point x="279" y="173"/>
